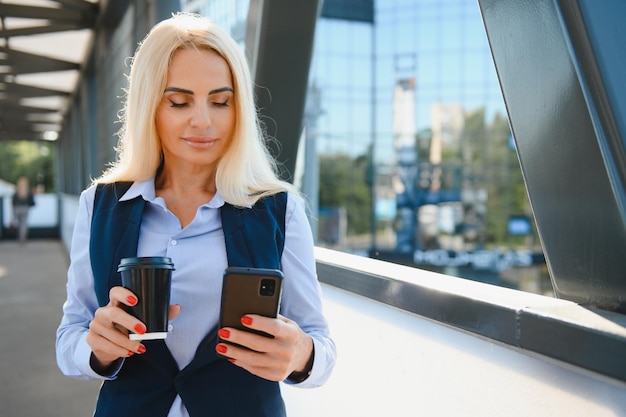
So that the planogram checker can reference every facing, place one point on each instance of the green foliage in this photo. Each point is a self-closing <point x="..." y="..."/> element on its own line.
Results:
<point x="482" y="160"/>
<point x="34" y="160"/>
<point x="502" y="177"/>
<point x="343" y="183"/>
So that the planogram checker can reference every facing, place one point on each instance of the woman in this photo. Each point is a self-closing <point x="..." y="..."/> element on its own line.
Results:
<point x="192" y="158"/>
<point x="22" y="201"/>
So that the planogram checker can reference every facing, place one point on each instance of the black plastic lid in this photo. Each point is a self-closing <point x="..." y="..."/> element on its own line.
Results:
<point x="161" y="262"/>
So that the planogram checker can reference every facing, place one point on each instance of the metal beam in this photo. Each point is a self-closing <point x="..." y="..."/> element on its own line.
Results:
<point x="48" y="13"/>
<point x="8" y="108"/>
<point x="601" y="69"/>
<point x="78" y="4"/>
<point x="560" y="127"/>
<point x="31" y="91"/>
<point x="38" y="30"/>
<point x="280" y="46"/>
<point x="20" y="62"/>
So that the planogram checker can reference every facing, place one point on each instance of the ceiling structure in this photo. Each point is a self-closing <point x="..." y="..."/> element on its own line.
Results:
<point x="43" y="45"/>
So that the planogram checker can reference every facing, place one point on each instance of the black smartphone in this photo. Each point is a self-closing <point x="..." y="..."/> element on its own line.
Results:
<point x="249" y="291"/>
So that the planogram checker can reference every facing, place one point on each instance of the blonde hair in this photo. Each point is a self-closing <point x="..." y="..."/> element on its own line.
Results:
<point x="246" y="171"/>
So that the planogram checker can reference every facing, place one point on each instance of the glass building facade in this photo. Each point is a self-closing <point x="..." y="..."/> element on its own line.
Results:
<point x="409" y="156"/>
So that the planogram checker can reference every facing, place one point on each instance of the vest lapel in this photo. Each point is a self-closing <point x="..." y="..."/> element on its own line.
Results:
<point x="114" y="235"/>
<point x="255" y="237"/>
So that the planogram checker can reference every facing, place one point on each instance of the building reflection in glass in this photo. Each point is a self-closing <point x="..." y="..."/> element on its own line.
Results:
<point x="409" y="156"/>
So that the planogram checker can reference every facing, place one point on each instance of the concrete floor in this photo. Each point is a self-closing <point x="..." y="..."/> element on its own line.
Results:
<point x="32" y="292"/>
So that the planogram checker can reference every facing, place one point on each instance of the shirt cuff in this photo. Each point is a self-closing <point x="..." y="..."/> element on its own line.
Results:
<point x="82" y="359"/>
<point x="317" y="376"/>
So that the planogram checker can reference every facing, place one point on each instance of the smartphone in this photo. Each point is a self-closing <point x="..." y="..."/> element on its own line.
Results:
<point x="249" y="291"/>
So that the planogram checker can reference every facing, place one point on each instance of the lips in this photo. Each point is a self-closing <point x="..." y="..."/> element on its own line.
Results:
<point x="200" y="141"/>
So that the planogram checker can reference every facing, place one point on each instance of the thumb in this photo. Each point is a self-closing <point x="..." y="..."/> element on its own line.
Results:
<point x="174" y="310"/>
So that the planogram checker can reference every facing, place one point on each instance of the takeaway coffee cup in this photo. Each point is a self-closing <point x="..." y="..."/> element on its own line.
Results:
<point x="149" y="278"/>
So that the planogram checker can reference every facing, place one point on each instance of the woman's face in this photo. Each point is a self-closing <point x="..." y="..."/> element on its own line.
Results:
<point x="196" y="116"/>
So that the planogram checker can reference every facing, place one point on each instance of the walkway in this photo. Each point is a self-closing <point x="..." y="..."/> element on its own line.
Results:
<point x="32" y="292"/>
<point x="390" y="363"/>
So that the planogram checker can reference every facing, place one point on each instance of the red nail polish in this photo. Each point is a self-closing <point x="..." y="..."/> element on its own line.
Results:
<point x="130" y="353"/>
<point x="141" y="349"/>
<point x="221" y="348"/>
<point x="132" y="300"/>
<point x="223" y="333"/>
<point x="246" y="320"/>
<point x="140" y="329"/>
<point x="231" y="360"/>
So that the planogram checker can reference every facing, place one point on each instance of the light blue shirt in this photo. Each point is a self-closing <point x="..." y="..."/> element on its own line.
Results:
<point x="199" y="255"/>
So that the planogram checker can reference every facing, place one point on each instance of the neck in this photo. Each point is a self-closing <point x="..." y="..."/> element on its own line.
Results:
<point x="185" y="180"/>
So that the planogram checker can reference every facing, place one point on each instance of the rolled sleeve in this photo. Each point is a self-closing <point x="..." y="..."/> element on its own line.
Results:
<point x="302" y="294"/>
<point x="72" y="351"/>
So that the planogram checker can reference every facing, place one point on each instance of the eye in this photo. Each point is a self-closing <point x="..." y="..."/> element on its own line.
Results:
<point x="178" y="105"/>
<point x="221" y="100"/>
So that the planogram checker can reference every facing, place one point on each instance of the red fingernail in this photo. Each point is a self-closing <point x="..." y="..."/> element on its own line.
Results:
<point x="223" y="333"/>
<point x="221" y="348"/>
<point x="141" y="349"/>
<point x="132" y="300"/>
<point x="140" y="329"/>
<point x="231" y="360"/>
<point x="130" y="353"/>
<point x="246" y="320"/>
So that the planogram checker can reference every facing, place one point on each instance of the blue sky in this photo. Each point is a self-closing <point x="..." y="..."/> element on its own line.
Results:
<point x="442" y="44"/>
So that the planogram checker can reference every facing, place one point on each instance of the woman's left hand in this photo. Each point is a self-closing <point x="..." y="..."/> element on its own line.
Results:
<point x="274" y="359"/>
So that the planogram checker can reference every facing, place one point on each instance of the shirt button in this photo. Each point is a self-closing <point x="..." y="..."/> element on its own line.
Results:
<point x="170" y="328"/>
<point x="174" y="243"/>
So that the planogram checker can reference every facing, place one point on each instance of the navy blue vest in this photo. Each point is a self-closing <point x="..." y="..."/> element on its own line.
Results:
<point x="147" y="384"/>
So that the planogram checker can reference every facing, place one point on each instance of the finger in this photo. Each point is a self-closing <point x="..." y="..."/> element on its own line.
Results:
<point x="260" y="364"/>
<point x="111" y="340"/>
<point x="113" y="316"/>
<point x="249" y="341"/>
<point x="174" y="310"/>
<point x="108" y="343"/>
<point x="242" y="355"/>
<point x="120" y="295"/>
<point x="281" y="328"/>
<point x="290" y="348"/>
<point x="105" y="353"/>
<point x="263" y="324"/>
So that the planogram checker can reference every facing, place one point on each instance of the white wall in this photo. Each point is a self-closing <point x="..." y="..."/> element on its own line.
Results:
<point x="392" y="363"/>
<point x="45" y="212"/>
<point x="69" y="208"/>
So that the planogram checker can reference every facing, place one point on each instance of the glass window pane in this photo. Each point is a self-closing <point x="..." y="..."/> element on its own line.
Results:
<point x="447" y="189"/>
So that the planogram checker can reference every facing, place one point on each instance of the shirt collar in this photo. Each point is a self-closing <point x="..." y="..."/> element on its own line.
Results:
<point x="145" y="189"/>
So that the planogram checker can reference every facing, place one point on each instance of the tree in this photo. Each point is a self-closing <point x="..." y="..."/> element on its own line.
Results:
<point x="34" y="160"/>
<point x="343" y="183"/>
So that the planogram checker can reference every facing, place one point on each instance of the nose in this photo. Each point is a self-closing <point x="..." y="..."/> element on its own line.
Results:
<point x="201" y="116"/>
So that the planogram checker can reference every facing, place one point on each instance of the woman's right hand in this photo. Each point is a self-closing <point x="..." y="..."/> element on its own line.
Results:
<point x="108" y="331"/>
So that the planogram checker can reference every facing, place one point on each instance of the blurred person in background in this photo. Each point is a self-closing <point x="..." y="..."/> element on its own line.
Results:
<point x="23" y="200"/>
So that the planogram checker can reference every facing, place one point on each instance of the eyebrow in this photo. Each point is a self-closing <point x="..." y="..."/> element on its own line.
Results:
<point x="185" y="91"/>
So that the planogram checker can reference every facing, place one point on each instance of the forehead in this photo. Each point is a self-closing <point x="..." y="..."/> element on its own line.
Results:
<point x="190" y="65"/>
